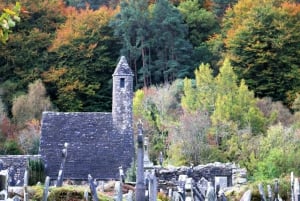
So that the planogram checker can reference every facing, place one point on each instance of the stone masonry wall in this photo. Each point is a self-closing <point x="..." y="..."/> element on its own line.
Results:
<point x="19" y="163"/>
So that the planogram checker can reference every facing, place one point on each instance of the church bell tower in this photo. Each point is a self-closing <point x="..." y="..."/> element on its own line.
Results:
<point x="122" y="97"/>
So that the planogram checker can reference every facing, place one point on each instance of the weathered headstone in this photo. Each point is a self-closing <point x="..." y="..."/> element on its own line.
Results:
<point x="11" y="176"/>
<point x="246" y="196"/>
<point x="118" y="191"/>
<point x="276" y="190"/>
<point x="296" y="189"/>
<point x="210" y="194"/>
<point x="147" y="163"/>
<point x="161" y="159"/>
<point x="262" y="192"/>
<point x="92" y="188"/>
<point x="129" y="196"/>
<point x="152" y="187"/>
<point x="46" y="188"/>
<point x="86" y="195"/>
<point x="26" y="185"/>
<point x="270" y="193"/>
<point x="60" y="176"/>
<point x="292" y="187"/>
<point x="121" y="173"/>
<point x="3" y="184"/>
<point x="140" y="186"/>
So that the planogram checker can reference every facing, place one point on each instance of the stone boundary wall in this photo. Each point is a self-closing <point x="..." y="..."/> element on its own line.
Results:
<point x="234" y="174"/>
<point x="18" y="163"/>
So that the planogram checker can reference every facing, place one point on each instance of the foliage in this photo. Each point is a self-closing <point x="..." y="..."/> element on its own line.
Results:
<point x="30" y="106"/>
<point x="255" y="42"/>
<point x="36" y="172"/>
<point x="29" y="137"/>
<point x="193" y="128"/>
<point x="157" y="107"/>
<point x="131" y="173"/>
<point x="202" y="24"/>
<point x="10" y="147"/>
<point x="25" y="56"/>
<point x="277" y="153"/>
<point x="81" y="80"/>
<point x="8" y="19"/>
<point x="154" y="39"/>
<point x="71" y="193"/>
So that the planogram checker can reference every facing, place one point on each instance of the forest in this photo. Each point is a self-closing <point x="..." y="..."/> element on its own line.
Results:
<point x="214" y="80"/>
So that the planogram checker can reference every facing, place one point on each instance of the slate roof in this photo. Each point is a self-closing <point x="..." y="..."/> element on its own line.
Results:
<point x="123" y="68"/>
<point x="95" y="147"/>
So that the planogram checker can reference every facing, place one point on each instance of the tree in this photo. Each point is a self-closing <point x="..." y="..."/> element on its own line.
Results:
<point x="132" y="26"/>
<point x="8" y="20"/>
<point x="172" y="49"/>
<point x="30" y="106"/>
<point x="263" y="47"/>
<point x="25" y="55"/>
<point x="220" y="6"/>
<point x="87" y="54"/>
<point x="202" y="24"/>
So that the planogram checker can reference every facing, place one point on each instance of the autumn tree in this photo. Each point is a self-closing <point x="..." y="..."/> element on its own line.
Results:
<point x="87" y="54"/>
<point x="31" y="105"/>
<point x="25" y="55"/>
<point x="263" y="47"/>
<point x="158" y="107"/>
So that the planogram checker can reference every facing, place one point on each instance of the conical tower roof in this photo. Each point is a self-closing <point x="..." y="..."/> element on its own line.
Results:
<point x="123" y="68"/>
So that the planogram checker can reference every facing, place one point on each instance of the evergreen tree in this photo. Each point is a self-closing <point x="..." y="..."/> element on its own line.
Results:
<point x="131" y="25"/>
<point x="172" y="49"/>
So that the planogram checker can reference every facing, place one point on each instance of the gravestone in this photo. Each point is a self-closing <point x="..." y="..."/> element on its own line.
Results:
<point x="46" y="188"/>
<point x="92" y="188"/>
<point x="118" y="191"/>
<point x="3" y="184"/>
<point x="262" y="193"/>
<point x="246" y="196"/>
<point x="222" y="181"/>
<point x="147" y="163"/>
<point x="60" y="176"/>
<point x="25" y="185"/>
<point x="210" y="194"/>
<point x="296" y="189"/>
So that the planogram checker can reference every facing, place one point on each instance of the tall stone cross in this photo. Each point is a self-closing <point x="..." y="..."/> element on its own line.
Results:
<point x="140" y="185"/>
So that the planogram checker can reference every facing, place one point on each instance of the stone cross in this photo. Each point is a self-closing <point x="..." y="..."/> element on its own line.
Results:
<point x="140" y="186"/>
<point x="60" y="176"/>
<point x="46" y="188"/>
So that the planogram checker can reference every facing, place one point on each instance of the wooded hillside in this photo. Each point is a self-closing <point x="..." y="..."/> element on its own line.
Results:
<point x="221" y="74"/>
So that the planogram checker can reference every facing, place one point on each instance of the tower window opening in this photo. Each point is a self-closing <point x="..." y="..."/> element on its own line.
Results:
<point x="122" y="82"/>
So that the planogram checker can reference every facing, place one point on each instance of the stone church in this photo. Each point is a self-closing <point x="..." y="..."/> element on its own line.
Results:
<point x="98" y="142"/>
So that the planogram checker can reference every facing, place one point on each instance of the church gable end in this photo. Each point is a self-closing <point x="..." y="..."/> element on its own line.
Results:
<point x="98" y="142"/>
